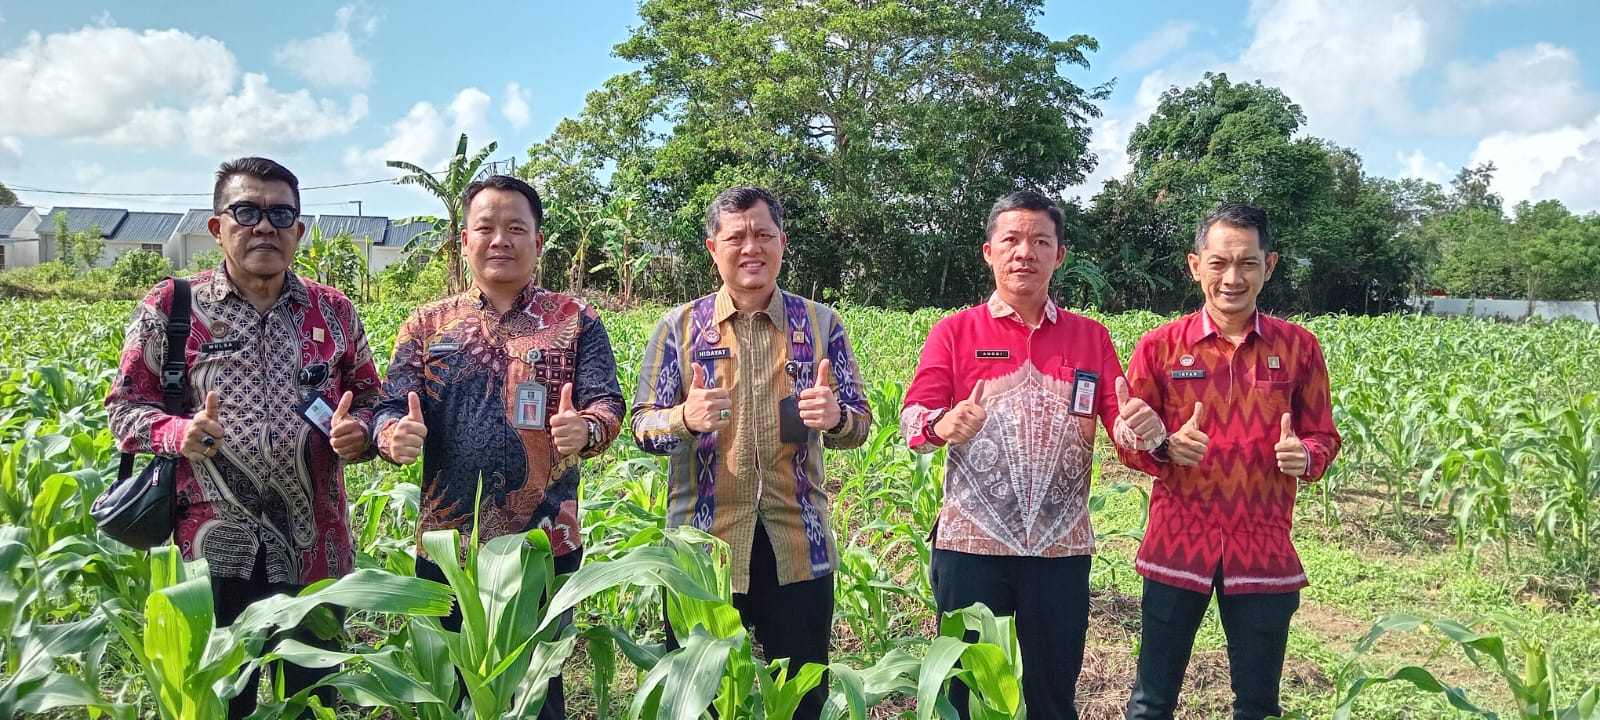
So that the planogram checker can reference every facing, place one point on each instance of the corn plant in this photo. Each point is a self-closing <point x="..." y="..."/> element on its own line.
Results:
<point x="1537" y="690"/>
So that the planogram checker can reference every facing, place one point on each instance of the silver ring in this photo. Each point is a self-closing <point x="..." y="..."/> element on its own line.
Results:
<point x="724" y="413"/>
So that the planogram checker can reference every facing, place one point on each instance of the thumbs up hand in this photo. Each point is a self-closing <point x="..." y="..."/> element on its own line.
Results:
<point x="962" y="423"/>
<point x="568" y="429"/>
<point x="408" y="434"/>
<point x="819" y="407"/>
<point x="706" y="409"/>
<point x="348" y="436"/>
<point x="1293" y="460"/>
<point x="1187" y="446"/>
<point x="204" y="435"/>
<point x="1139" y="418"/>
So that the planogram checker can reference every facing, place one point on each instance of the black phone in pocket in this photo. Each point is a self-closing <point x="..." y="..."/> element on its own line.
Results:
<point x="790" y="428"/>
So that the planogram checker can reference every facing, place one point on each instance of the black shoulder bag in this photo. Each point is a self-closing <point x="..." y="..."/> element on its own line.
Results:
<point x="140" y="511"/>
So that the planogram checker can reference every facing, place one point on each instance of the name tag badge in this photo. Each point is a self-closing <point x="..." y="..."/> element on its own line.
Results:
<point x="993" y="354"/>
<point x="443" y="348"/>
<point x="316" y="412"/>
<point x="530" y="406"/>
<point x="713" y="354"/>
<point x="221" y="346"/>
<point x="1084" y="384"/>
<point x="1187" y="374"/>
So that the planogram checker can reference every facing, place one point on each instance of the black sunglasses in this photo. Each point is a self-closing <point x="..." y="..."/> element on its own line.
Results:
<point x="250" y="214"/>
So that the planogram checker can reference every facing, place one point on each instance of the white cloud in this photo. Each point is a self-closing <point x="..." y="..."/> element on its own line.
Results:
<point x="84" y="83"/>
<point x="1543" y="165"/>
<point x="1109" y="143"/>
<point x="156" y="89"/>
<point x="1528" y="89"/>
<point x="260" y="118"/>
<point x="424" y="136"/>
<point x="469" y="112"/>
<point x="515" y="108"/>
<point x="1576" y="181"/>
<point x="1168" y="39"/>
<point x="1420" y="166"/>
<point x="330" y="59"/>
<point x="1346" y="62"/>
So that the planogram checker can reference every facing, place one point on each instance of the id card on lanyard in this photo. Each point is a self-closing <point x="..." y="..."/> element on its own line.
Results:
<point x="530" y="398"/>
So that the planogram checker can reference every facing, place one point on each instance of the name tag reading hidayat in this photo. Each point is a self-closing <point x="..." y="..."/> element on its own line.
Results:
<point x="713" y="354"/>
<point x="993" y="354"/>
<point x="221" y="346"/>
<point x="1187" y="374"/>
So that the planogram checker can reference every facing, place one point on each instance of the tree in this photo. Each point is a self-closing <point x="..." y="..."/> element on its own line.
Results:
<point x="137" y="268"/>
<point x="887" y="129"/>
<point x="7" y="197"/>
<point x="79" y="249"/>
<point x="449" y="189"/>
<point x="334" y="261"/>
<point x="1336" y="228"/>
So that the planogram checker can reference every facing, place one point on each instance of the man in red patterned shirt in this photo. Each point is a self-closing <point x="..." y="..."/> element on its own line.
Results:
<point x="261" y="490"/>
<point x="1014" y="387"/>
<point x="1249" y="395"/>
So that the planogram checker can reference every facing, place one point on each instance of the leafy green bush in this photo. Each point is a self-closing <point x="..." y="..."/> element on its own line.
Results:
<point x="139" y="269"/>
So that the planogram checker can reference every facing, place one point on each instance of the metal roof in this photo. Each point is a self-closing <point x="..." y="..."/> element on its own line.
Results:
<point x="359" y="227"/>
<point x="146" y="227"/>
<point x="194" y="222"/>
<point x="80" y="219"/>
<point x="399" y="235"/>
<point x="11" y="216"/>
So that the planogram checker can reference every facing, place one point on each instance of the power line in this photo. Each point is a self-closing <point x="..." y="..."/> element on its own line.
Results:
<point x="84" y="193"/>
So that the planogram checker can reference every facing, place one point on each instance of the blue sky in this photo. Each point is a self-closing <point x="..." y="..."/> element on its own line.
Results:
<point x="132" y="97"/>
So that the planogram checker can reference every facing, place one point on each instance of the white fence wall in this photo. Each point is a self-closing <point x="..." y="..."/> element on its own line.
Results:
<point x="1508" y="309"/>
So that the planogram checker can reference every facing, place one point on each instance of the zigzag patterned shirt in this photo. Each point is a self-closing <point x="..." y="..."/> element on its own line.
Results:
<point x="1234" y="508"/>
<point x="725" y="482"/>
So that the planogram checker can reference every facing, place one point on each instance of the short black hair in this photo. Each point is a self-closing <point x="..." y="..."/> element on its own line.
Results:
<point x="1238" y="215"/>
<point x="1028" y="200"/>
<point x="740" y="199"/>
<point x="509" y="184"/>
<point x="259" y="168"/>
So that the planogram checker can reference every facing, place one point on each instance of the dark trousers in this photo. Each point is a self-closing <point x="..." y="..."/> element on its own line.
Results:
<point x="1257" y="628"/>
<point x="1049" y="598"/>
<point x="792" y="621"/>
<point x="555" y="699"/>
<point x="229" y="598"/>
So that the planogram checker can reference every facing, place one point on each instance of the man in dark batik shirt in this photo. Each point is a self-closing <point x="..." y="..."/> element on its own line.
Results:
<point x="507" y="382"/>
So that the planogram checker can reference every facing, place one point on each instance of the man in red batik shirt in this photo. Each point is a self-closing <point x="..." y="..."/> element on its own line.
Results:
<point x="1249" y="396"/>
<point x="1014" y="386"/>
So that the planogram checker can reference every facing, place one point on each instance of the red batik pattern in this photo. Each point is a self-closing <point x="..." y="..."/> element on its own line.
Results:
<point x="1235" y="508"/>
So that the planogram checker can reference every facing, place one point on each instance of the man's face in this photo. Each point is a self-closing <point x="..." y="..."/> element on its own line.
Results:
<point x="501" y="239"/>
<point x="748" y="249"/>
<point x="1231" y="269"/>
<point x="259" y="251"/>
<point x="1023" y="252"/>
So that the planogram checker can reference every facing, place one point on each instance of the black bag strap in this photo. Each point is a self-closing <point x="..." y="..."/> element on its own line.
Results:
<point x="175" y="366"/>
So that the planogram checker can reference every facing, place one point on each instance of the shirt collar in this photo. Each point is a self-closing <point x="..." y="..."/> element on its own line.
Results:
<point x="523" y="299"/>
<point x="221" y="285"/>
<point x="724" y="309"/>
<point x="999" y="308"/>
<point x="1204" y="328"/>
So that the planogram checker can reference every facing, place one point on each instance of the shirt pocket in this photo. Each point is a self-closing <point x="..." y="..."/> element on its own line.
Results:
<point x="1277" y="396"/>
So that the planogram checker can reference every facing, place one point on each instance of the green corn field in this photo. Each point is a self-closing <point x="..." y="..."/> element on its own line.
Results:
<point x="1453" y="551"/>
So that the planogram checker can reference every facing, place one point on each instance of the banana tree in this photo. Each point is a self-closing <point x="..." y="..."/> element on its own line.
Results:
<point x="449" y="187"/>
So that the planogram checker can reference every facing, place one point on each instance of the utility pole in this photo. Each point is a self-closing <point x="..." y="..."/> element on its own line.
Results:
<point x="357" y="203"/>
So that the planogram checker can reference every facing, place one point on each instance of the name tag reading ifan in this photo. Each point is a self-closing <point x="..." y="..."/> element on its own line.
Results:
<point x="1187" y="374"/>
